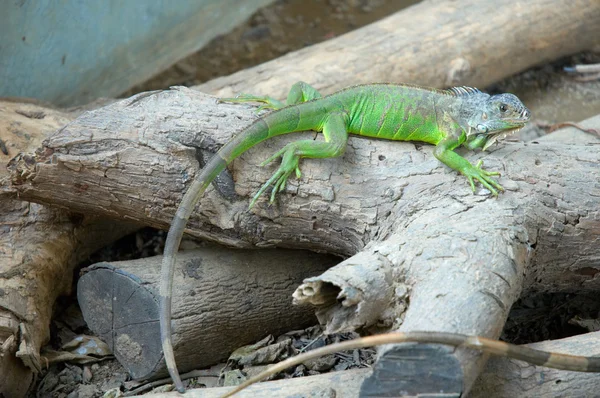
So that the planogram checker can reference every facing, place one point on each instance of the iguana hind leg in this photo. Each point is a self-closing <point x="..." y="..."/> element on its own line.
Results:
<point x="300" y="92"/>
<point x="336" y="137"/>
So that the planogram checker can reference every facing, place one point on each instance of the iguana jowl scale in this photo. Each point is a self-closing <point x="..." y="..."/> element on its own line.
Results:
<point x="445" y="118"/>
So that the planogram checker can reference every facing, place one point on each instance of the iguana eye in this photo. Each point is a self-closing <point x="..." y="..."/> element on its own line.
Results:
<point x="503" y="107"/>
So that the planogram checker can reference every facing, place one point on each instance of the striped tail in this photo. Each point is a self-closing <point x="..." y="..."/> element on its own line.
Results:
<point x="280" y="122"/>
<point x="191" y="197"/>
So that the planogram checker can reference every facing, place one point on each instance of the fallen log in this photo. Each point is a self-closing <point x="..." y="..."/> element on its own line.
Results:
<point x="39" y="249"/>
<point x="493" y="255"/>
<point x="412" y="228"/>
<point x="223" y="299"/>
<point x="344" y="384"/>
<point x="501" y="377"/>
<point x="22" y="304"/>
<point x="434" y="43"/>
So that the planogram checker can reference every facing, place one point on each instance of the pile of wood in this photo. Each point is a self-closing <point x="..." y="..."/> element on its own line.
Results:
<point x="422" y="252"/>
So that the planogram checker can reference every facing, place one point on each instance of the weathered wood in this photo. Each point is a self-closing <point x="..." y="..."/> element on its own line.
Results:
<point x="509" y="378"/>
<point x="435" y="367"/>
<point x="24" y="301"/>
<point x="39" y="248"/>
<point x="15" y="376"/>
<point x="413" y="228"/>
<point x="222" y="298"/>
<point x="434" y="43"/>
<point x="465" y="272"/>
<point x="502" y="377"/>
<point x="344" y="384"/>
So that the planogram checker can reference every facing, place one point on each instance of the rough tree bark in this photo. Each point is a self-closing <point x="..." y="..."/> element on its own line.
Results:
<point x="435" y="43"/>
<point x="39" y="248"/>
<point x="222" y="299"/>
<point x="412" y="227"/>
<point x="503" y="377"/>
<point x="22" y="304"/>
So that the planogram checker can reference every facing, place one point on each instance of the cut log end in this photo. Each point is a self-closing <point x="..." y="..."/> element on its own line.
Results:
<point x="218" y="304"/>
<point x="415" y="370"/>
<point x="125" y="315"/>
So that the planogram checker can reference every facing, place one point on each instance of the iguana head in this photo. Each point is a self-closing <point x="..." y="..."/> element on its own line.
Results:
<point x="499" y="116"/>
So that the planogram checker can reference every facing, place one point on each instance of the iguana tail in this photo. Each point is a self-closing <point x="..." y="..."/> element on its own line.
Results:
<point x="294" y="118"/>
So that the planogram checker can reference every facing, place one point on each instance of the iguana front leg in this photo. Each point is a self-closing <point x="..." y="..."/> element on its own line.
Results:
<point x="444" y="151"/>
<point x="299" y="92"/>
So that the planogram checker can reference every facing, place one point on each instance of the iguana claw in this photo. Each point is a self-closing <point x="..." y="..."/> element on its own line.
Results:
<point x="289" y="164"/>
<point x="483" y="177"/>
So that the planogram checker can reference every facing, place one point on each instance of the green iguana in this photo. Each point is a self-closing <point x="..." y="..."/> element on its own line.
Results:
<point x="445" y="118"/>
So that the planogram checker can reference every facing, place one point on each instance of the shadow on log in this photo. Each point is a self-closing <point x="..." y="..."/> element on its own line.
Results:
<point x="223" y="299"/>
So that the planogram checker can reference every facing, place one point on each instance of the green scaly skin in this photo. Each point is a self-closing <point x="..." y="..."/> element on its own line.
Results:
<point x="444" y="118"/>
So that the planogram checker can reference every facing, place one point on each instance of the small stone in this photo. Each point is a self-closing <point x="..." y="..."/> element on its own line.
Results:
<point x="87" y="374"/>
<point x="321" y="364"/>
<point x="233" y="378"/>
<point x="113" y="393"/>
<point x="116" y="381"/>
<point x="84" y="391"/>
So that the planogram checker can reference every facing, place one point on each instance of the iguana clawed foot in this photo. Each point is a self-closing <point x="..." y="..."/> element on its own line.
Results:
<point x="289" y="163"/>
<point x="479" y="174"/>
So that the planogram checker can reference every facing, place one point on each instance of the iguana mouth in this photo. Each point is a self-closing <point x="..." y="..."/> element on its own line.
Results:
<point x="499" y="135"/>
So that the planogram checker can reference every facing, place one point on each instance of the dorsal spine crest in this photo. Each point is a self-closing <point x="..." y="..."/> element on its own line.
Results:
<point x="462" y="91"/>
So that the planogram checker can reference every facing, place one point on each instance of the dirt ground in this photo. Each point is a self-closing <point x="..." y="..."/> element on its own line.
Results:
<point x="273" y="31"/>
<point x="284" y="26"/>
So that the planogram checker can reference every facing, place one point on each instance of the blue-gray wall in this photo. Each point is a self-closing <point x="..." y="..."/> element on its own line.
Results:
<point x="71" y="52"/>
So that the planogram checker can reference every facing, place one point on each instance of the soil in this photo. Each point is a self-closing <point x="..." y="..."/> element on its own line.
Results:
<point x="285" y="26"/>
